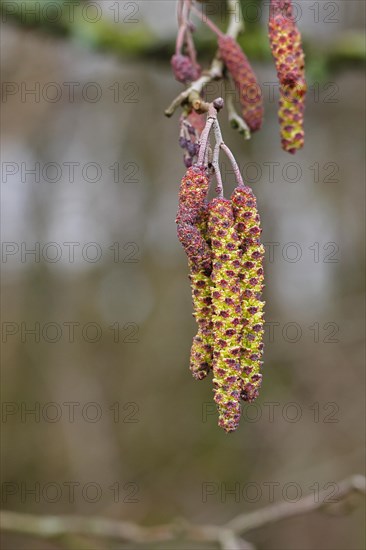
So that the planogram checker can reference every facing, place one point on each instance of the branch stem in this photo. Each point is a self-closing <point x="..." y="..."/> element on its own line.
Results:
<point x="284" y="510"/>
<point x="227" y="536"/>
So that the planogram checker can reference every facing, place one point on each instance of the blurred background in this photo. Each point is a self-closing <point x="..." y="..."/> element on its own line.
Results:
<point x="100" y="414"/>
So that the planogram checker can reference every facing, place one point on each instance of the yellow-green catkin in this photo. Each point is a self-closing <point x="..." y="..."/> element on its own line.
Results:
<point x="287" y="51"/>
<point x="247" y="225"/>
<point x="227" y="314"/>
<point x="202" y="346"/>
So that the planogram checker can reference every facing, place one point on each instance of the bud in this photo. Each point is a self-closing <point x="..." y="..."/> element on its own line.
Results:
<point x="244" y="79"/>
<point x="226" y="307"/>
<point x="247" y="224"/>
<point x="184" y="69"/>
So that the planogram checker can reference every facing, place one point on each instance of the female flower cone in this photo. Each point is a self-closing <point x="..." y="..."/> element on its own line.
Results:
<point x="247" y="226"/>
<point x="191" y="220"/>
<point x="226" y="304"/>
<point x="184" y="69"/>
<point x="244" y="79"/>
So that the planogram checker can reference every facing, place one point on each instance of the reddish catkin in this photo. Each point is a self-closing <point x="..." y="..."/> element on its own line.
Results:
<point x="247" y="224"/>
<point x="286" y="46"/>
<point x="184" y="69"/>
<point x="244" y="79"/>
<point x="227" y="315"/>
<point x="285" y="42"/>
<point x="192" y="195"/>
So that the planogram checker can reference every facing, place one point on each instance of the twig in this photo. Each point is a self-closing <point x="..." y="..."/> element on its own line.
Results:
<point x="236" y="120"/>
<point x="284" y="510"/>
<point x="227" y="536"/>
<point x="212" y="113"/>
<point x="193" y="91"/>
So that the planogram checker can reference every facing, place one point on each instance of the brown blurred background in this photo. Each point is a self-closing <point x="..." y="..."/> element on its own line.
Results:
<point x="90" y="171"/>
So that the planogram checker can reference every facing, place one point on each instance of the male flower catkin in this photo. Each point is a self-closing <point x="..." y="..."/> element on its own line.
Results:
<point x="227" y="314"/>
<point x="285" y="42"/>
<point x="201" y="284"/>
<point x="247" y="225"/>
<point x="193" y="191"/>
<point x="244" y="79"/>
<point x="191" y="220"/>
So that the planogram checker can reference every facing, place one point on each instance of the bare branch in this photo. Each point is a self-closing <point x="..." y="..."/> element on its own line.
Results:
<point x="236" y="121"/>
<point x="285" y="510"/>
<point x="227" y="537"/>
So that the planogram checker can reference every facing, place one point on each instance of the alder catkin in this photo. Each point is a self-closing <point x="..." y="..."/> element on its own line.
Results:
<point x="227" y="314"/>
<point x="201" y="284"/>
<point x="191" y="226"/>
<point x="247" y="225"/>
<point x="291" y="118"/>
<point x="192" y="195"/>
<point x="245" y="81"/>
<point x="288" y="54"/>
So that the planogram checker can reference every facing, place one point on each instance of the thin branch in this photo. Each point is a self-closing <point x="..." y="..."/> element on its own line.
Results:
<point x="284" y="510"/>
<point x="53" y="527"/>
<point x="236" y="121"/>
<point x="230" y="541"/>
<point x="236" y="21"/>
<point x="212" y="113"/>
<point x="227" y="537"/>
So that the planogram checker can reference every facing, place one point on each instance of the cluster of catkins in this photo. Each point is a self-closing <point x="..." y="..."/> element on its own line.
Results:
<point x="286" y="47"/>
<point x="222" y="242"/>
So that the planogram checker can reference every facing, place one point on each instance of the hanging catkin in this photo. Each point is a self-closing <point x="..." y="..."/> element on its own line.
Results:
<point x="247" y="224"/>
<point x="245" y="81"/>
<point x="227" y="313"/>
<point x="285" y="42"/>
<point x="201" y="285"/>
<point x="191" y="221"/>
<point x="192" y="195"/>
